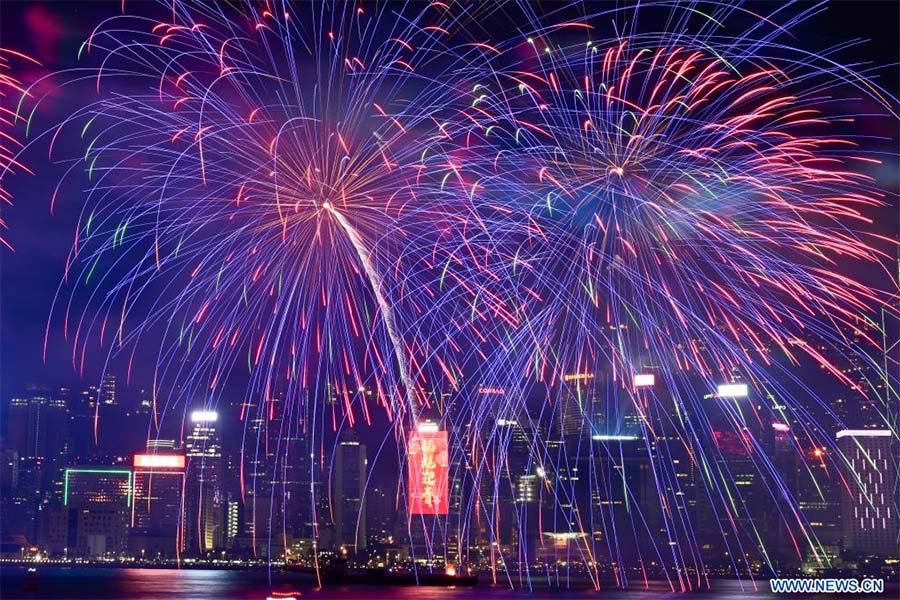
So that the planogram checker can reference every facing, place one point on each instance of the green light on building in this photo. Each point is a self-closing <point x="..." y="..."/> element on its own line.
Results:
<point x="125" y="472"/>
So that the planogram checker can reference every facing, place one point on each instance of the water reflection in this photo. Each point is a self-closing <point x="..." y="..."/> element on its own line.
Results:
<point x="199" y="584"/>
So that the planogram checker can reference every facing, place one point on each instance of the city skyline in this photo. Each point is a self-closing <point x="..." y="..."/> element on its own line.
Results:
<point x="210" y="521"/>
<point x="587" y="293"/>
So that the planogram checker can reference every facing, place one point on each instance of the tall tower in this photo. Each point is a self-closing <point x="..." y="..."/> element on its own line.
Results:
<point x="108" y="387"/>
<point x="349" y="494"/>
<point x="36" y="433"/>
<point x="870" y="509"/>
<point x="156" y="507"/>
<point x="204" y="501"/>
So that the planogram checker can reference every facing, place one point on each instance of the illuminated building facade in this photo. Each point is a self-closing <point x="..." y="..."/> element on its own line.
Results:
<point x="428" y="470"/>
<point x="870" y="509"/>
<point x="156" y="509"/>
<point x="98" y="503"/>
<point x="204" y="501"/>
<point x="349" y="494"/>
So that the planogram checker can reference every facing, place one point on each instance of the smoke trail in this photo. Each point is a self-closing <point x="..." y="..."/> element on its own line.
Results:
<point x="375" y="280"/>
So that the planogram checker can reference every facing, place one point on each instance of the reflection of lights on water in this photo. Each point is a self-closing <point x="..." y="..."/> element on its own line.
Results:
<point x="292" y="595"/>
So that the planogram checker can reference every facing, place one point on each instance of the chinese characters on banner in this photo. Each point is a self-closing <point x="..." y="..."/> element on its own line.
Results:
<point x="428" y="468"/>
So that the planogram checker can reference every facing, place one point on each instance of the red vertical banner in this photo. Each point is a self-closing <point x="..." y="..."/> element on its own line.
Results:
<point x="428" y="470"/>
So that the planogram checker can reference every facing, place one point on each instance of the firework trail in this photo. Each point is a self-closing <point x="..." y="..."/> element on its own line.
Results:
<point x="11" y="88"/>
<point x="387" y="312"/>
<point x="559" y="243"/>
<point x="259" y="201"/>
<point x="682" y="209"/>
<point x="295" y="163"/>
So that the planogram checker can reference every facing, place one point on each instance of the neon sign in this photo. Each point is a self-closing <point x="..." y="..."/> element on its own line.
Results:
<point x="428" y="468"/>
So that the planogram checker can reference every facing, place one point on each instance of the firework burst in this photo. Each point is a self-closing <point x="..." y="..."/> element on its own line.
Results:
<point x="580" y="253"/>
<point x="10" y="87"/>
<point x="681" y="215"/>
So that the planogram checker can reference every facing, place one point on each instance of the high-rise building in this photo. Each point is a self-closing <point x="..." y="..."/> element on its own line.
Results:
<point x="36" y="431"/>
<point x="204" y="498"/>
<point x="513" y="437"/>
<point x="53" y="445"/>
<point x="96" y="417"/>
<point x="249" y="506"/>
<point x="818" y="491"/>
<point x="97" y="501"/>
<point x="575" y="405"/>
<point x="234" y="502"/>
<point x="156" y="509"/>
<point x="290" y="466"/>
<point x="737" y="471"/>
<point x="622" y="492"/>
<point x="22" y="501"/>
<point x="349" y="493"/>
<point x="870" y="520"/>
<point x="84" y="419"/>
<point x="9" y="469"/>
<point x="381" y="512"/>
<point x="108" y="388"/>
<point x="37" y="427"/>
<point x="528" y="504"/>
<point x="25" y="427"/>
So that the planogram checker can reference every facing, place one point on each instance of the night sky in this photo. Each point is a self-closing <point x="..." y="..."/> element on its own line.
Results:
<point x="52" y="33"/>
<point x="785" y="346"/>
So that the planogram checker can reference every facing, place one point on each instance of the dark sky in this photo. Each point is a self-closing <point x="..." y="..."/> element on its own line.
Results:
<point x="52" y="33"/>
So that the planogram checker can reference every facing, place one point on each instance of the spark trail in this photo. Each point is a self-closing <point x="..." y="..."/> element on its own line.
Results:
<point x="386" y="311"/>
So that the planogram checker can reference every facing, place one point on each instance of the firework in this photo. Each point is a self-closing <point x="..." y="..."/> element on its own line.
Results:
<point x="598" y="260"/>
<point x="681" y="214"/>
<point x="275" y="191"/>
<point x="268" y="203"/>
<point x="10" y="119"/>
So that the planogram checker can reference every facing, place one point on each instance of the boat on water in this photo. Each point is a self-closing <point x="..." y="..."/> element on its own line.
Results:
<point x="337" y="573"/>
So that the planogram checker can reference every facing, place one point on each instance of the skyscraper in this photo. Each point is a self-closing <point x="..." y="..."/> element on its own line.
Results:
<point x="575" y="405"/>
<point x="108" y="389"/>
<point x="251" y="511"/>
<point x="623" y="492"/>
<point x="83" y="424"/>
<point x="517" y="445"/>
<point x="98" y="506"/>
<point x="156" y="509"/>
<point x="528" y="505"/>
<point x="381" y="513"/>
<point x="204" y="498"/>
<point x="870" y="508"/>
<point x="349" y="493"/>
<point x="36" y="433"/>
